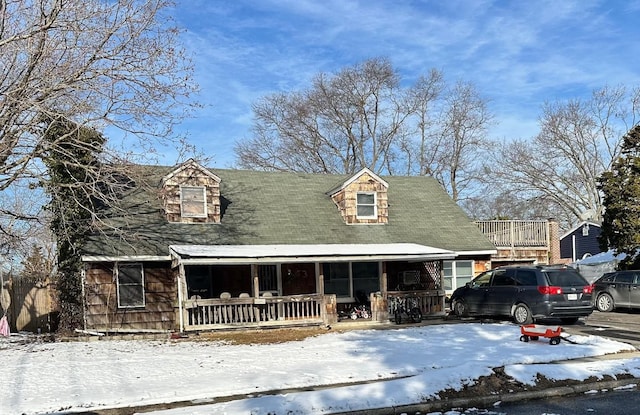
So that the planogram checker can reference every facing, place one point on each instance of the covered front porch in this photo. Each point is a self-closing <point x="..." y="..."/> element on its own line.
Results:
<point x="222" y="287"/>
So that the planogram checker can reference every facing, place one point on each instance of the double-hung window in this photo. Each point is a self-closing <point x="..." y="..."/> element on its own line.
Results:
<point x="366" y="205"/>
<point x="193" y="202"/>
<point x="457" y="274"/>
<point x="130" y="285"/>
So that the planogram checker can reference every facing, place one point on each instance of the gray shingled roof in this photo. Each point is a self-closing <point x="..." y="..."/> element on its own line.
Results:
<point x="293" y="208"/>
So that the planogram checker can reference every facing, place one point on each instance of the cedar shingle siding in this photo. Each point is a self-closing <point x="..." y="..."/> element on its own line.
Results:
<point x="346" y="200"/>
<point x="191" y="176"/>
<point x="101" y="300"/>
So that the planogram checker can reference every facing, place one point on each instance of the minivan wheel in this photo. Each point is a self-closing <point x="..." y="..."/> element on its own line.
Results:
<point x="460" y="308"/>
<point x="522" y="315"/>
<point x="604" y="302"/>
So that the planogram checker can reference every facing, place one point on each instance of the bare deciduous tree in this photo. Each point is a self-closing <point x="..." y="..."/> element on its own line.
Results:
<point x="418" y="146"/>
<point x="113" y="65"/>
<point x="559" y="167"/>
<point x="462" y="138"/>
<point x="361" y="117"/>
<point x="20" y="228"/>
<point x="341" y="124"/>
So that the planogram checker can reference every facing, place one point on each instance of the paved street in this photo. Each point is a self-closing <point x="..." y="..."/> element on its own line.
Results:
<point x="620" y="402"/>
<point x="619" y="325"/>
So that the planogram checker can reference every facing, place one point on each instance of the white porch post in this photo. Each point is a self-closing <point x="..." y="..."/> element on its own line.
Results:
<point x="319" y="279"/>
<point x="383" y="280"/>
<point x="255" y="281"/>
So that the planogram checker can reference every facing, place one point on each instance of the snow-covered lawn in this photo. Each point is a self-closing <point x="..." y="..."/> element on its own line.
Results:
<point x="416" y="363"/>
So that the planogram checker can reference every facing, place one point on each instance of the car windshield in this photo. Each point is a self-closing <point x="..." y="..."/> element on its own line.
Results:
<point x="564" y="277"/>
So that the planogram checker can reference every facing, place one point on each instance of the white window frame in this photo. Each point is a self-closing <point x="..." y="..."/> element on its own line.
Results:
<point x="183" y="201"/>
<point x="454" y="273"/>
<point x="374" y="205"/>
<point x="120" y="285"/>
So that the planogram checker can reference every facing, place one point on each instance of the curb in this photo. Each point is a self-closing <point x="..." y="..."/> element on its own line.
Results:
<point x="436" y="405"/>
<point x="493" y="400"/>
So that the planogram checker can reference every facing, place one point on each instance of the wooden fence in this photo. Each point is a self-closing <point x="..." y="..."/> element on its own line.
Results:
<point x="30" y="305"/>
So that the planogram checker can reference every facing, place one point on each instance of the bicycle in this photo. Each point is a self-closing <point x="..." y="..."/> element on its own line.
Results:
<point x="401" y="307"/>
<point x="360" y="311"/>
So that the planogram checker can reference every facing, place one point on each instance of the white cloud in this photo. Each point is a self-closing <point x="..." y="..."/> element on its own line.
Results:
<point x="520" y="54"/>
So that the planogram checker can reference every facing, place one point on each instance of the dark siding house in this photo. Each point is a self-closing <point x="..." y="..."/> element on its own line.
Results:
<point x="205" y="249"/>
<point x="581" y="241"/>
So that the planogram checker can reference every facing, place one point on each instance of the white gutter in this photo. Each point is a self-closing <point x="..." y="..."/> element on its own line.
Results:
<point x="253" y="254"/>
<point x="285" y="260"/>
<point x="485" y="252"/>
<point x="125" y="258"/>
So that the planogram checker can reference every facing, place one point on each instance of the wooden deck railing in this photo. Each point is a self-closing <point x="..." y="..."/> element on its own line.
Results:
<point x="516" y="233"/>
<point x="205" y="314"/>
<point x="430" y="302"/>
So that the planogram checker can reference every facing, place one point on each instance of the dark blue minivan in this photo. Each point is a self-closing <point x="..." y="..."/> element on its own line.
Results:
<point x="526" y="293"/>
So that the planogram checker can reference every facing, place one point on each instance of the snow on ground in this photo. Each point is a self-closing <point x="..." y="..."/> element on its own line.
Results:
<point x="405" y="365"/>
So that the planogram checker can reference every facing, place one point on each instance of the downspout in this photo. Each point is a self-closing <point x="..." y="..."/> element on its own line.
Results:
<point x="83" y="278"/>
<point x="180" y="297"/>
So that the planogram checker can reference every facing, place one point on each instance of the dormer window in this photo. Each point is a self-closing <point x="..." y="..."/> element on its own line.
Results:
<point x="193" y="202"/>
<point x="362" y="199"/>
<point x="366" y="205"/>
<point x="191" y="194"/>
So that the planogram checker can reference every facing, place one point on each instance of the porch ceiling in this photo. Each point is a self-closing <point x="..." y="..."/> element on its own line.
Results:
<point x="235" y="254"/>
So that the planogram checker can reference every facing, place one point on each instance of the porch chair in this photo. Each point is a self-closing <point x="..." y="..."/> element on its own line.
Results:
<point x="246" y="309"/>
<point x="227" y="311"/>
<point x="269" y="310"/>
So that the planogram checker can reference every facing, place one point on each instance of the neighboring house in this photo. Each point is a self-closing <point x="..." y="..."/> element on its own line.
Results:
<point x="581" y="241"/>
<point x="212" y="249"/>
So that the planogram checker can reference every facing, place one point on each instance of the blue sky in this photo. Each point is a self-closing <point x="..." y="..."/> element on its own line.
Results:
<point x="519" y="54"/>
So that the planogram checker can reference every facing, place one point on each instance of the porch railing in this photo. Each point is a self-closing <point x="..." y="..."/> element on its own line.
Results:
<point x="204" y="314"/>
<point x="430" y="302"/>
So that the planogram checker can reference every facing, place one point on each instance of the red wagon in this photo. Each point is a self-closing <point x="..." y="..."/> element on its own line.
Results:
<point x="535" y="331"/>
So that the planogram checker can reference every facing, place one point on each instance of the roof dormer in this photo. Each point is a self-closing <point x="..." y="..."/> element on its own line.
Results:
<point x="191" y="194"/>
<point x="362" y="199"/>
